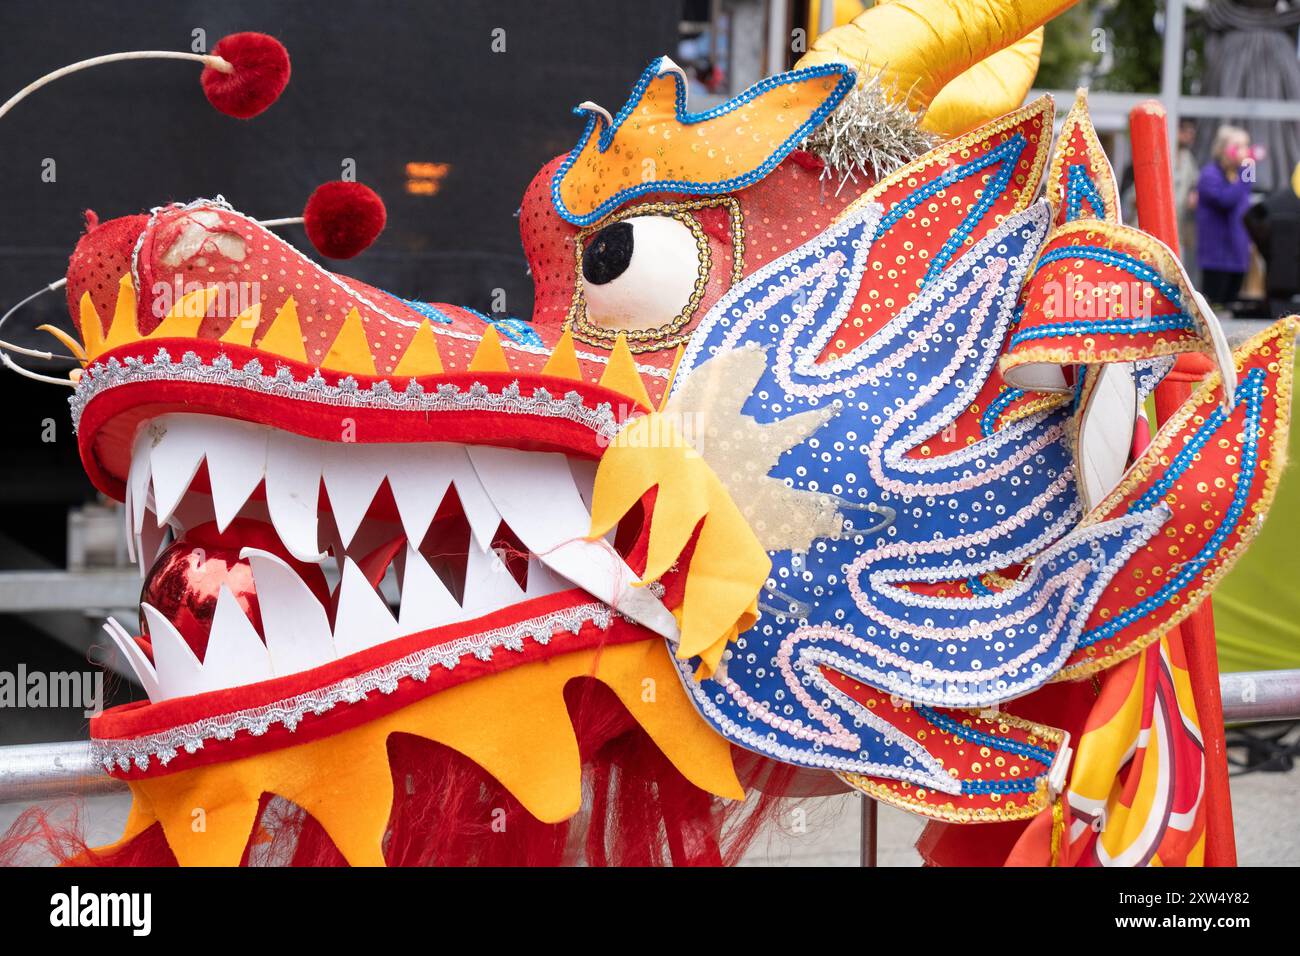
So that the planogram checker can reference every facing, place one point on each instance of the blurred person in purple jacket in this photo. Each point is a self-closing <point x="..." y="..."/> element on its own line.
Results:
<point x="1222" y="198"/>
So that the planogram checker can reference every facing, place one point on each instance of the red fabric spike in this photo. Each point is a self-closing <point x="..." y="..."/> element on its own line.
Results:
<point x="101" y="258"/>
<point x="343" y="218"/>
<point x="261" y="72"/>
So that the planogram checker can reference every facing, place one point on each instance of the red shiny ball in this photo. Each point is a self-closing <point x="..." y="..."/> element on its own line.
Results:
<point x="343" y="218"/>
<point x="187" y="577"/>
<point x="260" y="74"/>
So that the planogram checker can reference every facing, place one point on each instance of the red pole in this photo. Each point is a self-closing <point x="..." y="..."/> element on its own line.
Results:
<point x="1158" y="215"/>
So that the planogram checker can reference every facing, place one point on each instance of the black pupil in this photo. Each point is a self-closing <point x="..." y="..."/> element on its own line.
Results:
<point x="608" y="254"/>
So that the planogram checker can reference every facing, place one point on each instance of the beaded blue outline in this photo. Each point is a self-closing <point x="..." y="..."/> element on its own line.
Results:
<point x="1007" y="154"/>
<point x="427" y="309"/>
<point x="1080" y="186"/>
<point x="655" y="71"/>
<point x="1176" y="322"/>
<point x="1180" y="321"/>
<point x="1122" y="260"/>
<point x="517" y="330"/>
<point x="970" y="735"/>
<point x="1004" y="399"/>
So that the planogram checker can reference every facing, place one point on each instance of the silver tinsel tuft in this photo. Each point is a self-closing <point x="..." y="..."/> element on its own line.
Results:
<point x="871" y="133"/>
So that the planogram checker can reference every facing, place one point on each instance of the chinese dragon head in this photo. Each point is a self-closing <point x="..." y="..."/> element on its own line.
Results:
<point x="823" y="449"/>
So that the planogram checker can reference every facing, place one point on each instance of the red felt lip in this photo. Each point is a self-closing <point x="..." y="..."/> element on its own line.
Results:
<point x="141" y="718"/>
<point x="112" y="418"/>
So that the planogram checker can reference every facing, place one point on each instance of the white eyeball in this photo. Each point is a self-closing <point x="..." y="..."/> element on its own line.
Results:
<point x="639" y="273"/>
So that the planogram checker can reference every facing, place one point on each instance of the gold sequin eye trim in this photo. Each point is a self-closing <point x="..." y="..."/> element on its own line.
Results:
<point x="669" y="334"/>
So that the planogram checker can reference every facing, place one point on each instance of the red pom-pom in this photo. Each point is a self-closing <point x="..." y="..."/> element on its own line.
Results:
<point x="260" y="74"/>
<point x="343" y="218"/>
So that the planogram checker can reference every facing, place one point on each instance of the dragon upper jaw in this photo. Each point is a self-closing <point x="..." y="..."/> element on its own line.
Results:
<point x="451" y="504"/>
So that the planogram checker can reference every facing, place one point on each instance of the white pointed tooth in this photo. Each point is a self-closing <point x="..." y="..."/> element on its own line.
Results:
<point x="235" y="654"/>
<point x="363" y="619"/>
<point x="426" y="602"/>
<point x="140" y="663"/>
<point x="597" y="568"/>
<point x="150" y="541"/>
<point x="236" y="465"/>
<point x="584" y="478"/>
<point x="293" y="474"/>
<point x="128" y="516"/>
<point x="353" y="474"/>
<point x="139" y="478"/>
<point x="295" y="625"/>
<point x="195" y="509"/>
<point x="333" y="543"/>
<point x="483" y="517"/>
<point x="179" y="672"/>
<point x="540" y="579"/>
<point x="418" y="477"/>
<point x="489" y="585"/>
<point x="179" y="444"/>
<point x="537" y="498"/>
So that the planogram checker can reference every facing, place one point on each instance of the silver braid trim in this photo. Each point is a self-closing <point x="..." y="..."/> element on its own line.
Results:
<point x="445" y="397"/>
<point x="256" y="721"/>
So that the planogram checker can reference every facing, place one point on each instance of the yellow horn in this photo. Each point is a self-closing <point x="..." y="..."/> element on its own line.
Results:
<point x="923" y="45"/>
<point x="989" y="89"/>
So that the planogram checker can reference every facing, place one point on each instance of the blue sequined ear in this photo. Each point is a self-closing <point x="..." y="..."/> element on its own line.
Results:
<point x="989" y="505"/>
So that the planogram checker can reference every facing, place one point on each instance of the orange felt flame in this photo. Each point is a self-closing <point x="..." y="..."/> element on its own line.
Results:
<point x="284" y="337"/>
<point x="489" y="356"/>
<point x="350" y="351"/>
<point x="514" y="724"/>
<point x="421" y="356"/>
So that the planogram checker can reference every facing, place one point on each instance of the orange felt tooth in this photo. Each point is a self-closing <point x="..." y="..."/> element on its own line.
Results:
<point x="563" y="362"/>
<point x="489" y="356"/>
<point x="350" y="351"/>
<point x="421" y="356"/>
<point x="92" y="329"/>
<point x="185" y="317"/>
<point x="124" y="330"/>
<point x="284" y="337"/>
<point x="241" y="330"/>
<point x="621" y="375"/>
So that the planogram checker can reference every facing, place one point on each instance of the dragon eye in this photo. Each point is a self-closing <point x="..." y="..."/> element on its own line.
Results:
<point x="609" y="254"/>
<point x="639" y="273"/>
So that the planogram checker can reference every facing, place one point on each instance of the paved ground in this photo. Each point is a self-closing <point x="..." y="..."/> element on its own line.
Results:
<point x="1266" y="809"/>
<point x="1266" y="813"/>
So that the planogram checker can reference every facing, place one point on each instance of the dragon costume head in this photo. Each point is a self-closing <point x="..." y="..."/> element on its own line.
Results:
<point x="819" y="446"/>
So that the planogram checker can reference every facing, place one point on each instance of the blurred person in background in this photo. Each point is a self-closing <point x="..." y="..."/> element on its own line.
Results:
<point x="1186" y="173"/>
<point x="1274" y="225"/>
<point x="1222" y="198"/>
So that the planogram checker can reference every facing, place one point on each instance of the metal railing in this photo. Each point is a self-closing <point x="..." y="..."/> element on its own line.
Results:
<point x="30" y="772"/>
